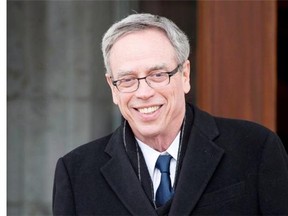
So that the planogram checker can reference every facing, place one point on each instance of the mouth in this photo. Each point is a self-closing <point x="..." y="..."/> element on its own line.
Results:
<point x="148" y="110"/>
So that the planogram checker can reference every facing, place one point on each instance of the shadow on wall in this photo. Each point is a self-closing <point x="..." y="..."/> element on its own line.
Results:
<point x="57" y="94"/>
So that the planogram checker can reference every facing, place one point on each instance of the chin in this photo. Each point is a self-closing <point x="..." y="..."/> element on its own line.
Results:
<point x="148" y="132"/>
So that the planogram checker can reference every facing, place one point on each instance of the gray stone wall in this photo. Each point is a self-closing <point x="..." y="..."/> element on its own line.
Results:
<point x="58" y="98"/>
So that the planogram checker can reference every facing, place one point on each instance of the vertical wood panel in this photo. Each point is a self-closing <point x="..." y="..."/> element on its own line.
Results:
<point x="236" y="59"/>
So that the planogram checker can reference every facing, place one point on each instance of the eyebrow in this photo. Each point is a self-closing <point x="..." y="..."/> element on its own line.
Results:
<point x="122" y="73"/>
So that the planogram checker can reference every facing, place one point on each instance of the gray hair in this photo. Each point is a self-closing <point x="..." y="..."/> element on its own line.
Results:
<point x="138" y="22"/>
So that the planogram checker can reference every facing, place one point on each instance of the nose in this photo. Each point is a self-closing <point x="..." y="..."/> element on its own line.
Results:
<point x="144" y="91"/>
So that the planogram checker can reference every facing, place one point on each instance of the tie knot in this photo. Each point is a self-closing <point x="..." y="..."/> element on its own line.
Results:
<point x="163" y="163"/>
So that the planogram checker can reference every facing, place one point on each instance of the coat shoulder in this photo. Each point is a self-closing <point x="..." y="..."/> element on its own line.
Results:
<point x="94" y="145"/>
<point x="241" y="133"/>
<point x="86" y="153"/>
<point x="230" y="128"/>
<point x="245" y="129"/>
<point x="242" y="126"/>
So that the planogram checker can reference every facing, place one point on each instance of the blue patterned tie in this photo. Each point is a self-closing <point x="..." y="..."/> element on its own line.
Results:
<point x="164" y="191"/>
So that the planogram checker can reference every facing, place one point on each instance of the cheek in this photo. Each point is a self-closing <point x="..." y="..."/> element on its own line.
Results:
<point x="177" y="95"/>
<point x="183" y="86"/>
<point x="121" y="101"/>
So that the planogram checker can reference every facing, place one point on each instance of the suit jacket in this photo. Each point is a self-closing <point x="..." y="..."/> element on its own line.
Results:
<point x="231" y="167"/>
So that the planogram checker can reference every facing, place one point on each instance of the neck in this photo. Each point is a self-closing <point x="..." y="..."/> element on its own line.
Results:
<point x="161" y="142"/>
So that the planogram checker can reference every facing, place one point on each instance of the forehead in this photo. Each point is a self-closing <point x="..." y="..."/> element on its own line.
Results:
<point x="162" y="67"/>
<point x="142" y="49"/>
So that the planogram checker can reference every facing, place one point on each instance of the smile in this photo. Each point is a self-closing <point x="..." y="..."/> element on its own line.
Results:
<point x="148" y="110"/>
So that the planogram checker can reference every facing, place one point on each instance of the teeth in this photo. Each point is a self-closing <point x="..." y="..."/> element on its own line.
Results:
<point x="147" y="110"/>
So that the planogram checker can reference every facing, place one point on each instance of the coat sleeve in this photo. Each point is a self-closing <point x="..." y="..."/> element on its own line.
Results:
<point x="273" y="178"/>
<point x="63" y="198"/>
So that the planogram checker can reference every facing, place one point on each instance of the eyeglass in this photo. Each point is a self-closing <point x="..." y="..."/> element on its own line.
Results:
<point x="155" y="80"/>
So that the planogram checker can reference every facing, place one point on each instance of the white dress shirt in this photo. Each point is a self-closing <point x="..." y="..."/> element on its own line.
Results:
<point x="151" y="156"/>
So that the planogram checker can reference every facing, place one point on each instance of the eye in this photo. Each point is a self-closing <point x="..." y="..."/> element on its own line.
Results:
<point x="158" y="77"/>
<point x="126" y="81"/>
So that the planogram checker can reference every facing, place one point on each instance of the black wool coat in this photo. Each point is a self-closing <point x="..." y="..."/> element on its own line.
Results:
<point x="230" y="167"/>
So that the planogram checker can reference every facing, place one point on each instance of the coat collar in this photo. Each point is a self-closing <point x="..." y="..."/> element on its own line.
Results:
<point x="201" y="159"/>
<point x="120" y="175"/>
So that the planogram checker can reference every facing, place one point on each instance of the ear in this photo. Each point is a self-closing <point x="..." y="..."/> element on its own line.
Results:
<point x="113" y="88"/>
<point x="186" y="76"/>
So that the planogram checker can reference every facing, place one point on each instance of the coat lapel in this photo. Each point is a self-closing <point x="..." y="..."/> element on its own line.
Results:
<point x="201" y="159"/>
<point x="120" y="175"/>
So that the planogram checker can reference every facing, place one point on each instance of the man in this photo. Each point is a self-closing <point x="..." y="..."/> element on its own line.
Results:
<point x="168" y="157"/>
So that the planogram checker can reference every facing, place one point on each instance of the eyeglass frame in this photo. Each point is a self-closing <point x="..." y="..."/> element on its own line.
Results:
<point x="170" y="74"/>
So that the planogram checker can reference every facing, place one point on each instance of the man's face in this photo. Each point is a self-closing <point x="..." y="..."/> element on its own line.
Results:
<point x="150" y="112"/>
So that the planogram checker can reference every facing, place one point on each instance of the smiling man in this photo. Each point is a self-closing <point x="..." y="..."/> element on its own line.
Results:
<point x="155" y="105"/>
<point x="167" y="156"/>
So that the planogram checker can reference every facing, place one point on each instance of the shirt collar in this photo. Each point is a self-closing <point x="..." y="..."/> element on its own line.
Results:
<point x="151" y="155"/>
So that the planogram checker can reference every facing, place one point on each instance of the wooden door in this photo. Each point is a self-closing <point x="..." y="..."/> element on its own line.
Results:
<point x="236" y="59"/>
